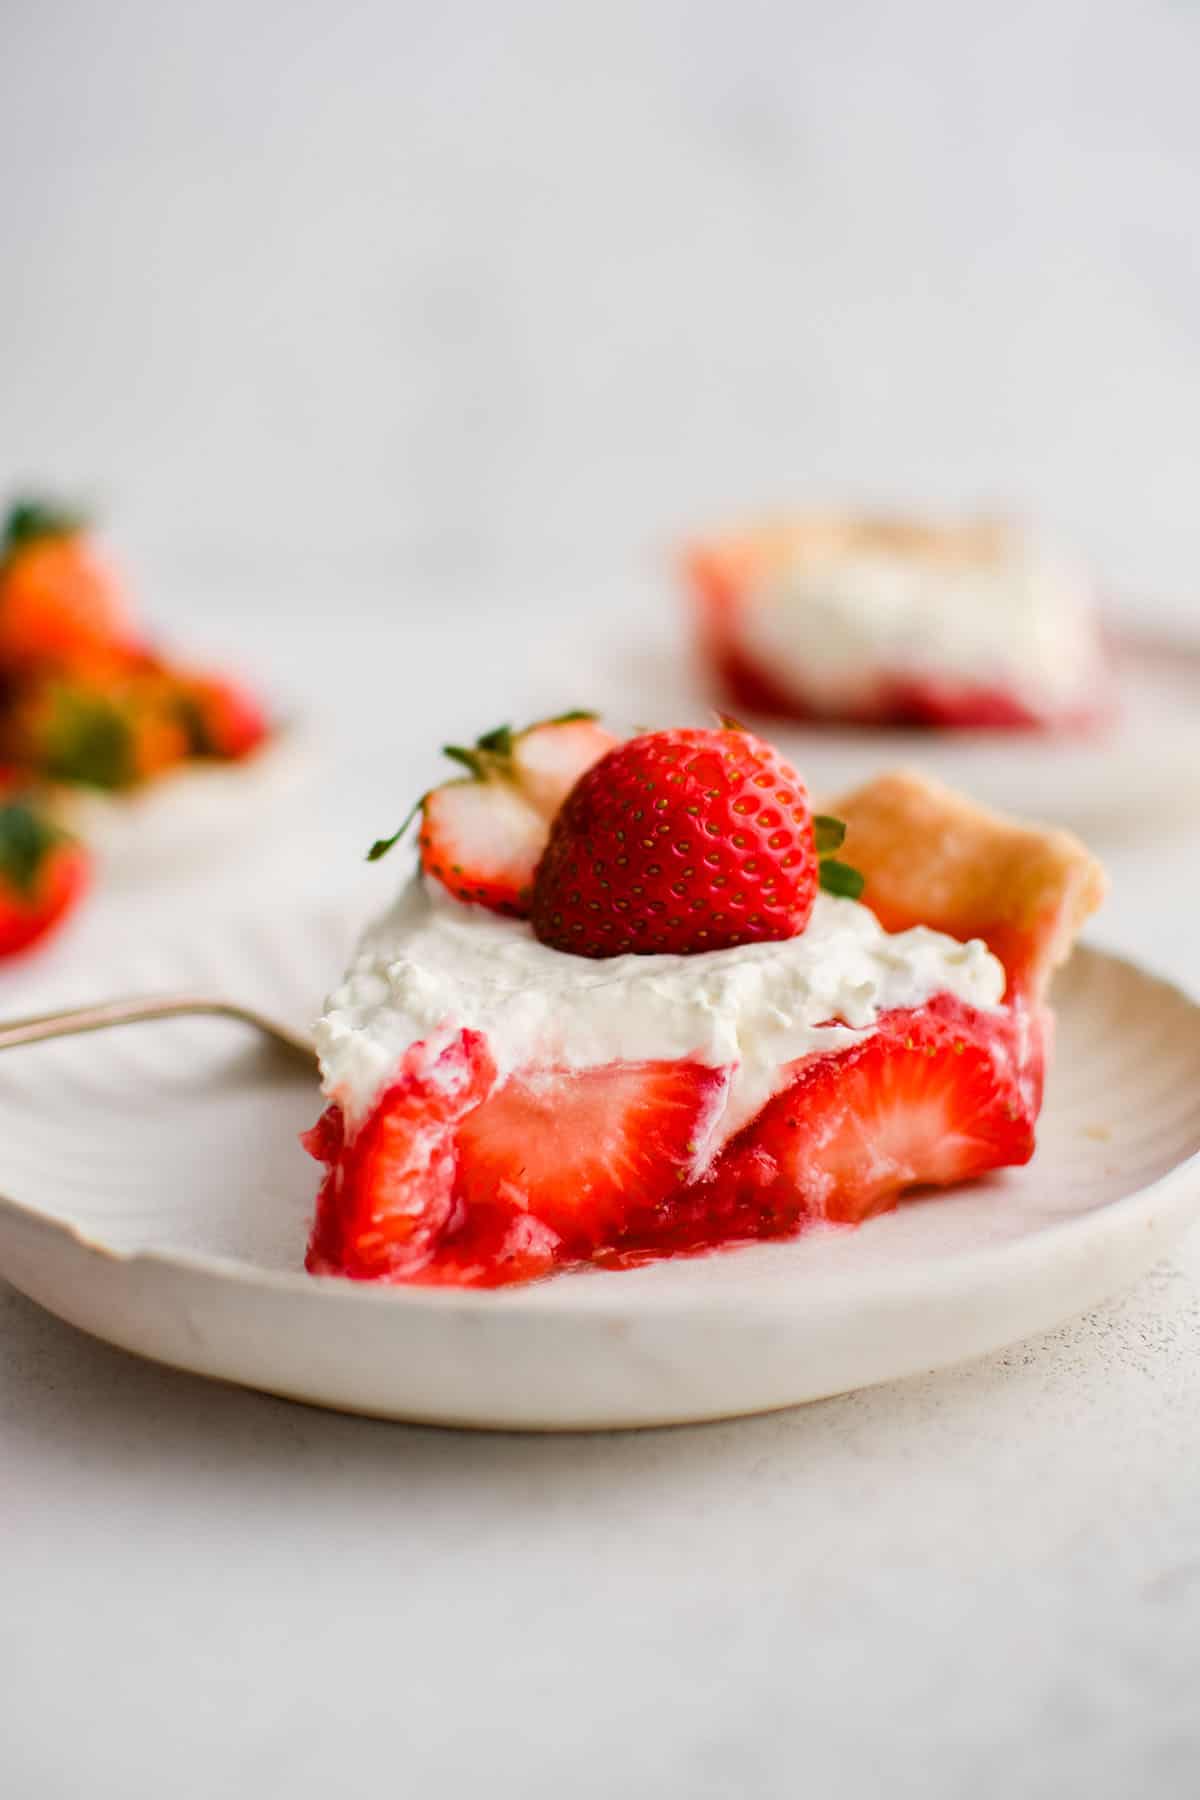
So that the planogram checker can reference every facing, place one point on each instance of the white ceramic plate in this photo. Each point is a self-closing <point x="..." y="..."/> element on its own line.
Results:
<point x="157" y="1198"/>
<point x="1139" y="770"/>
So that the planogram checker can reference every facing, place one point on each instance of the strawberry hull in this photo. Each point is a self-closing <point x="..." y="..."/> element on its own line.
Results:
<point x="453" y="1180"/>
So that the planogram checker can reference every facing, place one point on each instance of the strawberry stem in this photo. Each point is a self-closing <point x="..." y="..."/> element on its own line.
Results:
<point x="498" y="742"/>
<point x="29" y="520"/>
<point x="484" y="761"/>
<point x="381" y="846"/>
<point x="26" y="837"/>
<point x="470" y="759"/>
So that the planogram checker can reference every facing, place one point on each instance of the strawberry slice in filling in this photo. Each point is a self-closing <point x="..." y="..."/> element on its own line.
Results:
<point x="453" y="1179"/>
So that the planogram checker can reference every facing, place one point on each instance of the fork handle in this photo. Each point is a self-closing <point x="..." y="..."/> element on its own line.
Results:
<point x="74" y="1021"/>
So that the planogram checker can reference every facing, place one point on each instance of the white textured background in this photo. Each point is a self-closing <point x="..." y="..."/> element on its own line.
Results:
<point x="398" y="338"/>
<point x="378" y="296"/>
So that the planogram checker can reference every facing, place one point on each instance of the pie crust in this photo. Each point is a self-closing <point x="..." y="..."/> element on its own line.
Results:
<point x="932" y="857"/>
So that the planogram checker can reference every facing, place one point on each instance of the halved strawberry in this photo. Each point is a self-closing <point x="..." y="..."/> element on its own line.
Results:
<point x="934" y="1096"/>
<point x="44" y="872"/>
<point x="577" y="1148"/>
<point x="482" y="835"/>
<point x="389" y="1192"/>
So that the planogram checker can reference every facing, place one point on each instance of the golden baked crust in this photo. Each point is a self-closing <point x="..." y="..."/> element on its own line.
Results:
<point x="738" y="557"/>
<point x="932" y="857"/>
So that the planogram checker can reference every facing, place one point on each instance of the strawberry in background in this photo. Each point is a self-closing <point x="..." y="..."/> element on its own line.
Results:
<point x="44" y="871"/>
<point x="84" y="699"/>
<point x="61" y="605"/>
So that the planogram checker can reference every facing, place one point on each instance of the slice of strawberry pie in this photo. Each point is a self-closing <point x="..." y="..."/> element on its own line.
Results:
<point x="633" y="1005"/>
<point x="893" y="622"/>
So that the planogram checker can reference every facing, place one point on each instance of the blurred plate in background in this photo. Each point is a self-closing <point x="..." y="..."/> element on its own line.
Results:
<point x="1139" y="774"/>
<point x="192" y="812"/>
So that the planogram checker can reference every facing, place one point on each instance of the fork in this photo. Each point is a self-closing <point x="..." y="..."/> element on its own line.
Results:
<point x="101" y="1017"/>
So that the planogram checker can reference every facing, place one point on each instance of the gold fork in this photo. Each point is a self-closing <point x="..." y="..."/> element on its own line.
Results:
<point x="79" y="1019"/>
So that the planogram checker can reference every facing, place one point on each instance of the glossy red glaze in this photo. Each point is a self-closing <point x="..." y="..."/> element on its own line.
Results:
<point x="451" y="1183"/>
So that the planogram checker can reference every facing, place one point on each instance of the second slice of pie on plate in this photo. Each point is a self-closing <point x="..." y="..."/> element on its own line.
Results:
<point x="875" y="621"/>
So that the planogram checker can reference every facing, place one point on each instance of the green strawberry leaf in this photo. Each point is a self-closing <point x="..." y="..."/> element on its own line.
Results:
<point x="26" y="836"/>
<point x="89" y="740"/>
<point x="470" y="759"/>
<point x="490" y="750"/>
<point x="29" y="520"/>
<point x="498" y="742"/>
<point x="839" y="878"/>
<point x="829" y="832"/>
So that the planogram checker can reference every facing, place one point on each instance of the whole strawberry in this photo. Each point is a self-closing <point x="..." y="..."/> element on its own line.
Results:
<point x="684" y="841"/>
<point x="44" y="871"/>
<point x="61" y="606"/>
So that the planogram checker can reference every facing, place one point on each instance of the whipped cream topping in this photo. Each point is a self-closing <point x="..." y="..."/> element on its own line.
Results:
<point x="432" y="966"/>
<point x="1019" y="618"/>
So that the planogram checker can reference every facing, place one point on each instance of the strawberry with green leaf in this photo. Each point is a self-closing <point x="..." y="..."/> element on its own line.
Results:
<point x="61" y="605"/>
<point x="44" y="871"/>
<point x="111" y="736"/>
<point x="682" y="842"/>
<point x="481" y="835"/>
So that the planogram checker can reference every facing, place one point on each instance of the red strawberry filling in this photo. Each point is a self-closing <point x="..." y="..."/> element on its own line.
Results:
<point x="451" y="1180"/>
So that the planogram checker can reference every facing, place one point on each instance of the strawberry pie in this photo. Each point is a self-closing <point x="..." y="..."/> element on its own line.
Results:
<point x="639" y="1001"/>
<point x="880" y="622"/>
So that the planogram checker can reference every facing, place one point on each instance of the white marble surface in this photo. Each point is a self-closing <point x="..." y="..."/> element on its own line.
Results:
<point x="373" y="323"/>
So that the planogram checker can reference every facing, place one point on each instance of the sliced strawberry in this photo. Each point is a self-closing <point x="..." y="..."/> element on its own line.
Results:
<point x="325" y="1140"/>
<point x="482" y="835"/>
<point x="935" y="1095"/>
<point x="481" y="839"/>
<point x="451" y="1182"/>
<point x="446" y="1183"/>
<point x="389" y="1191"/>
<point x="575" y="1149"/>
<point x="548" y="759"/>
<point x="44" y="873"/>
